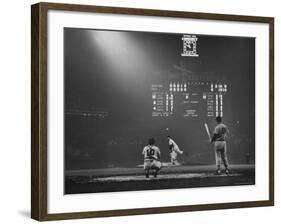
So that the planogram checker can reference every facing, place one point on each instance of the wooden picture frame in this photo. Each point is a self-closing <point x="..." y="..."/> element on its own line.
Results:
<point x="39" y="108"/>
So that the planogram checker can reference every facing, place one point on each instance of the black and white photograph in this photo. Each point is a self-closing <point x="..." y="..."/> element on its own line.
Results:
<point x="154" y="111"/>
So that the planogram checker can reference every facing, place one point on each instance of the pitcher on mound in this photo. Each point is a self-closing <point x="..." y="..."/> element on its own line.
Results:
<point x="175" y="150"/>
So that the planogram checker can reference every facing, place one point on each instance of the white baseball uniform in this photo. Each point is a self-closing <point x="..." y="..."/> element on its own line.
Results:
<point x="151" y="155"/>
<point x="175" y="150"/>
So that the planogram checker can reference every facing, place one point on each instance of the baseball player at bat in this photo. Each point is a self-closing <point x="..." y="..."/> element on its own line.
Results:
<point x="175" y="150"/>
<point x="219" y="139"/>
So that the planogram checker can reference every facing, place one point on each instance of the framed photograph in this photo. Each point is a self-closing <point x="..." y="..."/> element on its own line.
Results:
<point x="139" y="111"/>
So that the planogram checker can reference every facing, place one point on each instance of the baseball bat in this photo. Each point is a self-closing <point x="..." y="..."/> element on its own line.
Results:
<point x="208" y="132"/>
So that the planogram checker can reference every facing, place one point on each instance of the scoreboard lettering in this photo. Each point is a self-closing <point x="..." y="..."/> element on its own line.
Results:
<point x="188" y="99"/>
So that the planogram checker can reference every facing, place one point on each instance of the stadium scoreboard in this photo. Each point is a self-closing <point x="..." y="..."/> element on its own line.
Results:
<point x="188" y="99"/>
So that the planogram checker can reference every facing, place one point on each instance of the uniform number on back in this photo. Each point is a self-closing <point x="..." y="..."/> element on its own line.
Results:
<point x="150" y="152"/>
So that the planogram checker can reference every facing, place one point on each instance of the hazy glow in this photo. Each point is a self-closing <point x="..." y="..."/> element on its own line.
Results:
<point x="123" y="54"/>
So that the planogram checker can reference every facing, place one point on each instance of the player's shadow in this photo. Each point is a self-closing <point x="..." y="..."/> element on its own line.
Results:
<point x="24" y="213"/>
